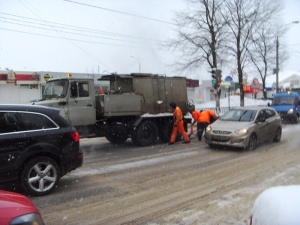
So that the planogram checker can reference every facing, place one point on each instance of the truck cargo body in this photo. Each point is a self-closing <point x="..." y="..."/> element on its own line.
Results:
<point x="136" y="106"/>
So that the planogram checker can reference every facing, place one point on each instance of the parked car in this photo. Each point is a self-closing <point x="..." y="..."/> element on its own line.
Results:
<point x="37" y="147"/>
<point x="17" y="209"/>
<point x="277" y="206"/>
<point x="245" y="127"/>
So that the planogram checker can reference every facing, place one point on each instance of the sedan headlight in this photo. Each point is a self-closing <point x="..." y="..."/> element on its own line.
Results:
<point x="30" y="219"/>
<point x="242" y="131"/>
<point x="291" y="111"/>
<point x="208" y="128"/>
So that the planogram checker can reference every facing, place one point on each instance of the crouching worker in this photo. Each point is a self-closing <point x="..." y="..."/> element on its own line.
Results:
<point x="205" y="118"/>
<point x="178" y="125"/>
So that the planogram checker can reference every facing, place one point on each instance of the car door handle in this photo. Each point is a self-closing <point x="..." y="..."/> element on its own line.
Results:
<point x="89" y="105"/>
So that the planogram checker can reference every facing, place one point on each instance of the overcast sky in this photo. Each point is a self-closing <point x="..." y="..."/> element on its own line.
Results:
<point x="103" y="36"/>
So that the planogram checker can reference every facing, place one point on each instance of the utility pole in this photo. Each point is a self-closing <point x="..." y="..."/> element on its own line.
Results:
<point x="277" y="59"/>
<point x="277" y="63"/>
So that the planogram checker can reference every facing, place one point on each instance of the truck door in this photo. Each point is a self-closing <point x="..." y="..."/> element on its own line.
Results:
<point x="81" y="104"/>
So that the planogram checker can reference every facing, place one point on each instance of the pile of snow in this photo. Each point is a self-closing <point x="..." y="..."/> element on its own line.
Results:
<point x="277" y="206"/>
<point x="232" y="101"/>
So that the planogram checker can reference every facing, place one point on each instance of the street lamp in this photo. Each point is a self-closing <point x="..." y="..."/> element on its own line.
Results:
<point x="139" y="62"/>
<point x="277" y="59"/>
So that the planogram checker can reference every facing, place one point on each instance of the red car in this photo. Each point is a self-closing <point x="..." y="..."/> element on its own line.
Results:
<point x="17" y="209"/>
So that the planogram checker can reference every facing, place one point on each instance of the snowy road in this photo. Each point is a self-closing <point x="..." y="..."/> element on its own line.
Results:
<point x="179" y="184"/>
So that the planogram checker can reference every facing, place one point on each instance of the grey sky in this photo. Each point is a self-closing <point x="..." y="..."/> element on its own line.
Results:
<point x="115" y="42"/>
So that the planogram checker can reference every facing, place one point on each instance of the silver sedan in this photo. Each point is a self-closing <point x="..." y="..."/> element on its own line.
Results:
<point x="245" y="127"/>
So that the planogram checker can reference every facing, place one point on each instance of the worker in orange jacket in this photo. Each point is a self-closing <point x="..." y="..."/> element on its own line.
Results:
<point x="178" y="125"/>
<point x="203" y="119"/>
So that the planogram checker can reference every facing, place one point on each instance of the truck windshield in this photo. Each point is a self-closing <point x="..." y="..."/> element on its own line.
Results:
<point x="284" y="100"/>
<point x="56" y="89"/>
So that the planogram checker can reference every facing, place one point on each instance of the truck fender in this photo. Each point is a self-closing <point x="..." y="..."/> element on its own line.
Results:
<point x="137" y="121"/>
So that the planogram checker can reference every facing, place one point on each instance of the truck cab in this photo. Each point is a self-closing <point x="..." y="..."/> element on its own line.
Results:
<point x="74" y="97"/>
<point x="287" y="104"/>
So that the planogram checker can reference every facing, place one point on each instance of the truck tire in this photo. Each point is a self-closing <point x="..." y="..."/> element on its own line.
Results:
<point x="117" y="134"/>
<point x="145" y="133"/>
<point x="40" y="176"/>
<point x="165" y="132"/>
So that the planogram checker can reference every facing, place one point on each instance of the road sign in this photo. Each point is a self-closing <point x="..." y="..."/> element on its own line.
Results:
<point x="46" y="76"/>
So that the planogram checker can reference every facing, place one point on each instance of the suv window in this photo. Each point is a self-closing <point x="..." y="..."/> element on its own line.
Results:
<point x="35" y="121"/>
<point x="9" y="122"/>
<point x="21" y="121"/>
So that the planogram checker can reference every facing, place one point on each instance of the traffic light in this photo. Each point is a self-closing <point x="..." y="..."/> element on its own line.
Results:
<point x="218" y="81"/>
<point x="219" y="77"/>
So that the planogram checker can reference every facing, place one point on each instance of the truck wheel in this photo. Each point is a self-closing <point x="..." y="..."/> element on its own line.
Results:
<point x="40" y="176"/>
<point x="117" y="134"/>
<point x="295" y="120"/>
<point x="165" y="131"/>
<point x="145" y="134"/>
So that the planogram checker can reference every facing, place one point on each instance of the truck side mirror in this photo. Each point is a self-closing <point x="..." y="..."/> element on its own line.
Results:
<point x="269" y="104"/>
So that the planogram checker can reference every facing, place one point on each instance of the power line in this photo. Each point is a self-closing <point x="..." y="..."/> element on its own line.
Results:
<point x="71" y="27"/>
<point x="120" y="12"/>
<point x="94" y="42"/>
<point x="74" y="33"/>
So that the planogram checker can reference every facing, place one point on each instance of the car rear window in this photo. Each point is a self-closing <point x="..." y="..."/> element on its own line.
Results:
<point x="24" y="121"/>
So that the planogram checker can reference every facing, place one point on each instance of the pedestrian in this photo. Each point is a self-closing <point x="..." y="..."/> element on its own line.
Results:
<point x="205" y="117"/>
<point x="178" y="125"/>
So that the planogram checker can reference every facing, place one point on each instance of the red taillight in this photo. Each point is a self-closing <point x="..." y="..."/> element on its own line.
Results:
<point x="75" y="136"/>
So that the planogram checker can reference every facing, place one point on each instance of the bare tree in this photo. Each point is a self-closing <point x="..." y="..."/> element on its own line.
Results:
<point x="241" y="16"/>
<point x="200" y="37"/>
<point x="262" y="48"/>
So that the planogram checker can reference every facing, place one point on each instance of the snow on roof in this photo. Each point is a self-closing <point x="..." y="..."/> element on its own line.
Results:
<point x="283" y="77"/>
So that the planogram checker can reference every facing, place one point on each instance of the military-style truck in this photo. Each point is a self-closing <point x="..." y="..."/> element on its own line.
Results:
<point x="136" y="106"/>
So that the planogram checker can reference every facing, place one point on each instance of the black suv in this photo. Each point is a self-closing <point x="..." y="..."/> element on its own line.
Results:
<point x="37" y="147"/>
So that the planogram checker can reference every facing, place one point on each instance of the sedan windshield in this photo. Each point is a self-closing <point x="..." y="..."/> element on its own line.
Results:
<point x="239" y="115"/>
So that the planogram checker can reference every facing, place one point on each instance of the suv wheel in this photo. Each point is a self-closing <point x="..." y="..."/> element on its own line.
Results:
<point x="40" y="176"/>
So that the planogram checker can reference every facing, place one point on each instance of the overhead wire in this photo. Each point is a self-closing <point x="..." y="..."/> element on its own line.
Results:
<point x="61" y="28"/>
<point x="74" y="33"/>
<point x="72" y="27"/>
<point x="120" y="12"/>
<point x="68" y="39"/>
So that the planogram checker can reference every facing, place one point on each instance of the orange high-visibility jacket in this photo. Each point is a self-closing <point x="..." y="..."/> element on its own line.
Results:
<point x="205" y="115"/>
<point x="195" y="115"/>
<point x="177" y="115"/>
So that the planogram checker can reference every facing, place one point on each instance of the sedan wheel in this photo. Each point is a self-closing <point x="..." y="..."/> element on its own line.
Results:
<point x="40" y="176"/>
<point x="277" y="135"/>
<point x="252" y="142"/>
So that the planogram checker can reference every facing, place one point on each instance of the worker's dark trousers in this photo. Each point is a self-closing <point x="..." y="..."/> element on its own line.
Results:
<point x="200" y="128"/>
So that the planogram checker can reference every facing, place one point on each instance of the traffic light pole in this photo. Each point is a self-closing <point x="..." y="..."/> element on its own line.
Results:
<point x="216" y="81"/>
